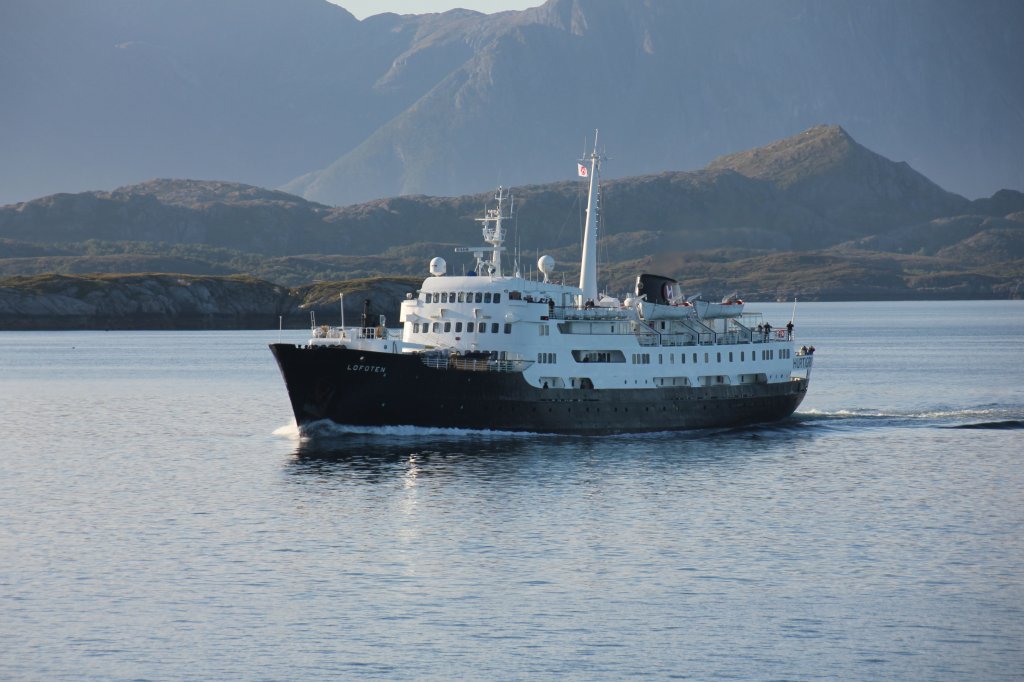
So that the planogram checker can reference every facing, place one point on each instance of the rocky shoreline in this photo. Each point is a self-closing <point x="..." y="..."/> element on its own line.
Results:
<point x="187" y="302"/>
<point x="169" y="301"/>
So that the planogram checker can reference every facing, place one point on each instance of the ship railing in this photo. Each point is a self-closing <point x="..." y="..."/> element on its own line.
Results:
<point x="732" y="338"/>
<point x="648" y="338"/>
<point x="705" y="335"/>
<point x="679" y="339"/>
<point x="739" y="333"/>
<point x="349" y="333"/>
<point x="775" y="334"/>
<point x="595" y="313"/>
<point x="468" y="364"/>
<point x="701" y="335"/>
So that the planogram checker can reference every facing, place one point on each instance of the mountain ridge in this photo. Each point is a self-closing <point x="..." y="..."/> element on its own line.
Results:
<point x="783" y="201"/>
<point x="301" y="94"/>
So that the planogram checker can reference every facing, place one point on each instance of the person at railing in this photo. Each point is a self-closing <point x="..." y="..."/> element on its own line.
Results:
<point x="789" y="330"/>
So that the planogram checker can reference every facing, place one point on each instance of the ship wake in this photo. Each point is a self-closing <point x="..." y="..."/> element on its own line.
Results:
<point x="980" y="418"/>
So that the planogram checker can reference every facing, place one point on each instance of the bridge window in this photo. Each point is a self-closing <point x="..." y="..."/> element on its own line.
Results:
<point x="469" y="326"/>
<point x="598" y="356"/>
<point x="481" y="327"/>
<point x="479" y="297"/>
<point x="487" y="297"/>
<point x="497" y="298"/>
<point x="437" y="326"/>
<point x="730" y="356"/>
<point x="447" y="326"/>
<point x="508" y="327"/>
<point x="718" y="357"/>
<point x="494" y="327"/>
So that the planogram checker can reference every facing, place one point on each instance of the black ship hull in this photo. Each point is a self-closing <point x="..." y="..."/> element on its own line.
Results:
<point x="364" y="388"/>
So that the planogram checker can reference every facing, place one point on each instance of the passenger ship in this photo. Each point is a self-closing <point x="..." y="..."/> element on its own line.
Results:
<point x="496" y="351"/>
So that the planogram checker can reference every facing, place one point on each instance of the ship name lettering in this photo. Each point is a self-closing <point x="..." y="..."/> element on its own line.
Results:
<point x="375" y="369"/>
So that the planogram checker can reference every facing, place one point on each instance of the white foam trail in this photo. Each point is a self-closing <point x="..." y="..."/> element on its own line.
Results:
<point x="290" y="431"/>
<point x="927" y="414"/>
<point x="329" y="429"/>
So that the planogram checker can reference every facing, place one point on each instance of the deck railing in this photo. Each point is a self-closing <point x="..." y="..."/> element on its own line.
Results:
<point x="469" y="364"/>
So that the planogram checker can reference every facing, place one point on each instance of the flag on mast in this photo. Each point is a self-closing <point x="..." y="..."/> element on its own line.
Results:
<point x="582" y="170"/>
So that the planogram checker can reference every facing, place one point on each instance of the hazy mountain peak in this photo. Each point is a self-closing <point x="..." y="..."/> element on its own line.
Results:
<point x="203" y="192"/>
<point x="825" y="166"/>
<point x="565" y="15"/>
<point x="109" y="92"/>
<point x="790" y="160"/>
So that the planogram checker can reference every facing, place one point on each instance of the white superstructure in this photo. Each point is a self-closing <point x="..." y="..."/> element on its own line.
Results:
<point x="563" y="336"/>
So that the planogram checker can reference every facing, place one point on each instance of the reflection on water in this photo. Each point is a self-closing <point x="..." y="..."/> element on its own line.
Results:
<point x="326" y="443"/>
<point x="379" y="457"/>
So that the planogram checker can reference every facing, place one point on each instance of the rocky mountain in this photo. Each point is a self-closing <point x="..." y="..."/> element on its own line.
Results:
<point x="847" y="184"/>
<point x="836" y="208"/>
<point x="818" y="188"/>
<point x="298" y="93"/>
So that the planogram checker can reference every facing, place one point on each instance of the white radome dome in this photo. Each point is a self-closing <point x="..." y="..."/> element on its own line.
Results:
<point x="546" y="264"/>
<point x="438" y="266"/>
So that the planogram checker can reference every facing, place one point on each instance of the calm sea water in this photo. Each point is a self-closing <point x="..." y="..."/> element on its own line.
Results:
<point x="160" y="519"/>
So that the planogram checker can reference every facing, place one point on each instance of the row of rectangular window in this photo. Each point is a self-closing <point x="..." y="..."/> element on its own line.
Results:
<point x="461" y="297"/>
<point x="765" y="355"/>
<point x="645" y="358"/>
<point x="478" y="327"/>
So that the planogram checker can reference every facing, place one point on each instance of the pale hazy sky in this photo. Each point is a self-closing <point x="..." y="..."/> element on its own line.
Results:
<point x="364" y="8"/>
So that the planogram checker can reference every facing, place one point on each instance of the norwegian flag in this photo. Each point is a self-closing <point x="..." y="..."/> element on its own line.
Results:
<point x="582" y="170"/>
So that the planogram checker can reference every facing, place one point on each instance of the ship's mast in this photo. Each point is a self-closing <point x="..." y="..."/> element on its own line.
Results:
<point x="588" y="267"/>
<point x="494" y="234"/>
